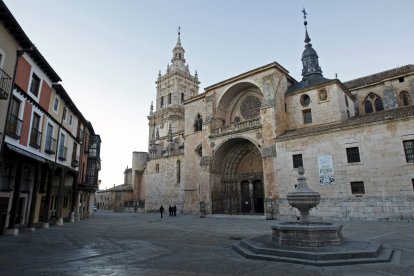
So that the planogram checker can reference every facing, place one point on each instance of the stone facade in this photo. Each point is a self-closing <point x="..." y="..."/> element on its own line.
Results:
<point x="236" y="147"/>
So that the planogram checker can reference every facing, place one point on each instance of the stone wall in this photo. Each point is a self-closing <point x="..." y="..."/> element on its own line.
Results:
<point x="386" y="175"/>
<point x="327" y="110"/>
<point x="388" y="90"/>
<point x="162" y="187"/>
<point x="355" y="208"/>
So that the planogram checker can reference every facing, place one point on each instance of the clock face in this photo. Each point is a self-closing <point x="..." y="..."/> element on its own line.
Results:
<point x="250" y="107"/>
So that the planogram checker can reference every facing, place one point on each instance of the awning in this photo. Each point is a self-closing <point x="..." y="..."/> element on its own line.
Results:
<point x="25" y="153"/>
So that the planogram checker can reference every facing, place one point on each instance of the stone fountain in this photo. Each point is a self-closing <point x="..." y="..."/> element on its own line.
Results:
<point x="311" y="243"/>
<point x="304" y="232"/>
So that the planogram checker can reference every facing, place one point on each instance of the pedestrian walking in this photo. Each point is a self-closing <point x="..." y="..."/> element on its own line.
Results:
<point x="161" y="210"/>
<point x="170" y="210"/>
<point x="175" y="210"/>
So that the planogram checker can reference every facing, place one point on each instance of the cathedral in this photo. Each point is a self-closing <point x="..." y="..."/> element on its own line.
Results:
<point x="235" y="147"/>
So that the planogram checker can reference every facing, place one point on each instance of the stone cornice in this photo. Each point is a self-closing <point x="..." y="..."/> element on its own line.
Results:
<point x="273" y="65"/>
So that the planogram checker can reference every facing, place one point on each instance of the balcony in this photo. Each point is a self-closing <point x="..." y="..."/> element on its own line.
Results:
<point x="75" y="160"/>
<point x="35" y="138"/>
<point x="14" y="126"/>
<point x="92" y="152"/>
<point x="79" y="135"/>
<point x="63" y="152"/>
<point x="236" y="127"/>
<point x="5" y="85"/>
<point x="50" y="145"/>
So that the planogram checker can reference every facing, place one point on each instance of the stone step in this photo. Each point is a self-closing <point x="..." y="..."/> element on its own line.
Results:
<point x="385" y="255"/>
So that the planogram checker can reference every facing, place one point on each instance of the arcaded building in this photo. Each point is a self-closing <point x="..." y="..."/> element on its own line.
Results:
<point x="235" y="148"/>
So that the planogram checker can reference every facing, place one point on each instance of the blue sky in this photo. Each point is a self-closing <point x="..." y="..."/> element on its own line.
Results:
<point x="108" y="52"/>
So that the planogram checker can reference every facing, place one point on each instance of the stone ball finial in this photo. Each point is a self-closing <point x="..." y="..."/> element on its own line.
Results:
<point x="301" y="171"/>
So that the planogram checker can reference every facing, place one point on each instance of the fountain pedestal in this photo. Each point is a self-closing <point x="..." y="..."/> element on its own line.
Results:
<point x="311" y="234"/>
<point x="311" y="243"/>
<point x="305" y="233"/>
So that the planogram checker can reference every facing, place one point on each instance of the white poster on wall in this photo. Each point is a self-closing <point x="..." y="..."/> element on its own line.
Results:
<point x="326" y="172"/>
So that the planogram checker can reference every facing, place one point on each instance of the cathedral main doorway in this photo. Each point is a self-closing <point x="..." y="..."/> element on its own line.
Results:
<point x="238" y="185"/>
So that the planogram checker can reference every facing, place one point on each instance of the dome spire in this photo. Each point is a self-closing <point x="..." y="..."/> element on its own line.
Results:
<point x="309" y="57"/>
<point x="178" y="60"/>
<point x="311" y="71"/>
<point x="179" y="33"/>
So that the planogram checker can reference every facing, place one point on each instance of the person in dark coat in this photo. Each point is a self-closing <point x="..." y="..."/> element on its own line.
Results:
<point x="174" y="210"/>
<point x="161" y="210"/>
<point x="170" y="210"/>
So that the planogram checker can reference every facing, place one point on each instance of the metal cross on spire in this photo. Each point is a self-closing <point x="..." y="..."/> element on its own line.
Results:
<point x="307" y="38"/>
<point x="304" y="17"/>
<point x="179" y="30"/>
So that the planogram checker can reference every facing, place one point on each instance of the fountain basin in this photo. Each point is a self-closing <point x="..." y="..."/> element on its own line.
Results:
<point x="312" y="234"/>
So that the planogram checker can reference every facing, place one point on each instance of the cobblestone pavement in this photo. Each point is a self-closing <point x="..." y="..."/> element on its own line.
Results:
<point x="144" y="244"/>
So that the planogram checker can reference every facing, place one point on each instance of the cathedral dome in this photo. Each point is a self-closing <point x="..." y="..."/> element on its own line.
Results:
<point x="309" y="52"/>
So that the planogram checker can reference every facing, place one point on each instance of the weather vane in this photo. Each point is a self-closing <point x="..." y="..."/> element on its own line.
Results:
<point x="179" y="30"/>
<point x="304" y="14"/>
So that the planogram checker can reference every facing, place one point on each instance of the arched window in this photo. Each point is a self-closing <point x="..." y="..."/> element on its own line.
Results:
<point x="378" y="104"/>
<point x="198" y="122"/>
<point x="169" y="98"/>
<point x="182" y="97"/>
<point x="373" y="103"/>
<point x="162" y="101"/>
<point x="405" y="98"/>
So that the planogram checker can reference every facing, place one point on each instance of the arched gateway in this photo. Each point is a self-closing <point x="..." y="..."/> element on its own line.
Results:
<point x="238" y="178"/>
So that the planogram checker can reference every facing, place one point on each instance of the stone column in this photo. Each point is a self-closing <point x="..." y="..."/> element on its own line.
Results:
<point x="35" y="192"/>
<point x="50" y="174"/>
<point x="11" y="230"/>
<point x="74" y="199"/>
<point x="251" y="191"/>
<point x="77" y="201"/>
<point x="60" y="198"/>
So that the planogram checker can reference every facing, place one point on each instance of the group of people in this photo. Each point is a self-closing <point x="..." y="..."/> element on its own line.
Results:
<point x="171" y="209"/>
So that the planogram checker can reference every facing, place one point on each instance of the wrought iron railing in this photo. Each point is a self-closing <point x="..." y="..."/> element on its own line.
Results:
<point x="237" y="127"/>
<point x="5" y="85"/>
<point x="14" y="126"/>
<point x="35" y="138"/>
<point x="50" y="145"/>
<point x="75" y="160"/>
<point x="79" y="135"/>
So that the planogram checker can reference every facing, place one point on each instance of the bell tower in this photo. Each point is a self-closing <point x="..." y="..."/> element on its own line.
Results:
<point x="166" y="122"/>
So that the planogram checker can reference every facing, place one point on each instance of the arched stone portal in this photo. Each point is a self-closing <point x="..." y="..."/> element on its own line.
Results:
<point x="238" y="178"/>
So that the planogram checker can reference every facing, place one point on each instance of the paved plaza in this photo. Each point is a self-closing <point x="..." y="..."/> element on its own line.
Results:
<point x="144" y="244"/>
